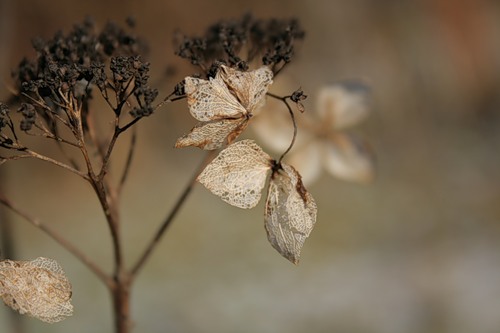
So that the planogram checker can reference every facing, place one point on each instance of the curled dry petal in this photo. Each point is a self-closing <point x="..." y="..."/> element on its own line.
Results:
<point x="38" y="288"/>
<point x="290" y="213"/>
<point x="211" y="100"/>
<point x="238" y="174"/>
<point x="214" y="134"/>
<point x="230" y="98"/>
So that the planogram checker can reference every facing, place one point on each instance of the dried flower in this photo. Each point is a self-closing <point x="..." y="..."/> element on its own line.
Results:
<point x="38" y="288"/>
<point x="224" y="105"/>
<point x="322" y="142"/>
<point x="238" y="175"/>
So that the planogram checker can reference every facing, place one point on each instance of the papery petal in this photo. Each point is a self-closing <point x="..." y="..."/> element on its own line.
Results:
<point x="213" y="135"/>
<point x="38" y="288"/>
<point x="250" y="87"/>
<point x="211" y="99"/>
<point x="238" y="174"/>
<point x="290" y="213"/>
<point x="348" y="158"/>
<point x="344" y="104"/>
<point x="307" y="160"/>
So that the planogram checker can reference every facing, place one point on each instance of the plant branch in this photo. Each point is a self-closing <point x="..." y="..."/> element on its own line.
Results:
<point x="170" y="217"/>
<point x="59" y="239"/>
<point x="128" y="162"/>
<point x="292" y="116"/>
<point x="30" y="153"/>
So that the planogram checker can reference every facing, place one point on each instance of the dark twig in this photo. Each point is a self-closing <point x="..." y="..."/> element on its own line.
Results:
<point x="292" y="116"/>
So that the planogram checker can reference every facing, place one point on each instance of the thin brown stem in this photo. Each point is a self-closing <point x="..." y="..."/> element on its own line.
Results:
<point x="170" y="217"/>
<point x="59" y="239"/>
<point x="292" y="116"/>
<point x="30" y="153"/>
<point x="128" y="162"/>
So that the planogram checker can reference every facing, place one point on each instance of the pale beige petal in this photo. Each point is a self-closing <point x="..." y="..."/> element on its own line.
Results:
<point x="238" y="174"/>
<point x="213" y="135"/>
<point x="274" y="127"/>
<point x="348" y="158"/>
<point x="307" y="160"/>
<point x="290" y="213"/>
<point x="211" y="100"/>
<point x="249" y="87"/>
<point x="344" y="104"/>
<point x="38" y="288"/>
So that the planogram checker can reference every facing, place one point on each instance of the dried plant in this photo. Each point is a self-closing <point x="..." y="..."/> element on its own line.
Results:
<point x="54" y="95"/>
<point x="38" y="288"/>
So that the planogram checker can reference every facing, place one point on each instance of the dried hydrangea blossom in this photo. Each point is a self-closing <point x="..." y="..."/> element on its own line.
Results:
<point x="290" y="213"/>
<point x="223" y="105"/>
<point x="238" y="175"/>
<point x="322" y="142"/>
<point x="38" y="288"/>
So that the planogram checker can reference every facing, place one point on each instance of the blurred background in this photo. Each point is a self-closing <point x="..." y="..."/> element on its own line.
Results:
<point x="418" y="250"/>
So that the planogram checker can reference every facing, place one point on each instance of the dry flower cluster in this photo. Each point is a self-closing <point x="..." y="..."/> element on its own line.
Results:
<point x="53" y="94"/>
<point x="238" y="174"/>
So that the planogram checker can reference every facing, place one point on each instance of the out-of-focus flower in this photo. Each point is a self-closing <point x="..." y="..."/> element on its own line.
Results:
<point x="322" y="142"/>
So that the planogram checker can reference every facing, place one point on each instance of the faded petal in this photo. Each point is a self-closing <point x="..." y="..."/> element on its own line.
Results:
<point x="348" y="158"/>
<point x="249" y="87"/>
<point x="38" y="288"/>
<point x="344" y="104"/>
<point x="211" y="99"/>
<point x="290" y="213"/>
<point x="213" y="135"/>
<point x="238" y="174"/>
<point x="308" y="160"/>
<point x="274" y="127"/>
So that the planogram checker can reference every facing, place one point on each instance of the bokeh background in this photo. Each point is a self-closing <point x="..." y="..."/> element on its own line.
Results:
<point x="418" y="250"/>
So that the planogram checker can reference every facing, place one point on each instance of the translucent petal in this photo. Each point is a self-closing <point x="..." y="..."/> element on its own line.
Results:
<point x="213" y="135"/>
<point x="250" y="87"/>
<point x="307" y="160"/>
<point x="290" y="213"/>
<point x="348" y="158"/>
<point x="238" y="174"/>
<point x="274" y="127"/>
<point x="344" y="104"/>
<point x="38" y="288"/>
<point x="211" y="99"/>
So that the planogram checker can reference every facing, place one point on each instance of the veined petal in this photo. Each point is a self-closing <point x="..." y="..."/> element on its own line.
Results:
<point x="211" y="99"/>
<point x="238" y="174"/>
<point x="38" y="288"/>
<point x="290" y="213"/>
<point x="249" y="87"/>
<point x="344" y="104"/>
<point x="348" y="158"/>
<point x="213" y="135"/>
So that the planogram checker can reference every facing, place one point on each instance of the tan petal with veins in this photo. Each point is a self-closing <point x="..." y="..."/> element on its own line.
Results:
<point x="290" y="213"/>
